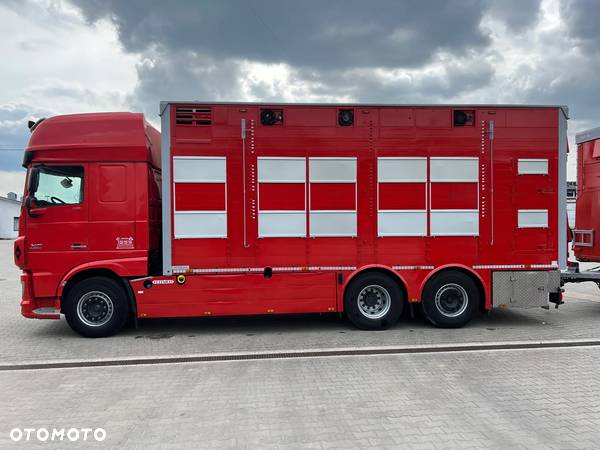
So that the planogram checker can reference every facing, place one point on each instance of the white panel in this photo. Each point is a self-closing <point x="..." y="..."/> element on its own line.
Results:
<point x="282" y="224"/>
<point x="332" y="169"/>
<point x="199" y="169"/>
<point x="281" y="170"/>
<point x="533" y="166"/>
<point x="332" y="223"/>
<point x="454" y="223"/>
<point x="533" y="218"/>
<point x="402" y="223"/>
<point x="401" y="170"/>
<point x="200" y="225"/>
<point x="454" y="169"/>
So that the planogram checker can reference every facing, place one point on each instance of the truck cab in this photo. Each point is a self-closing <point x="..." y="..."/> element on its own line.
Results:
<point x="90" y="215"/>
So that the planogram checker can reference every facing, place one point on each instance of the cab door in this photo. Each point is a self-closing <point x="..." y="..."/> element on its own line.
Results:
<point x="56" y="226"/>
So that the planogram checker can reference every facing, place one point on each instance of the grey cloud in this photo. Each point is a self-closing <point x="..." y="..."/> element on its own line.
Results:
<point x="334" y="48"/>
<point x="184" y="75"/>
<point x="14" y="133"/>
<point x="582" y="18"/>
<point x="366" y="85"/>
<point x="517" y="14"/>
<point x="195" y="47"/>
<point x="340" y="34"/>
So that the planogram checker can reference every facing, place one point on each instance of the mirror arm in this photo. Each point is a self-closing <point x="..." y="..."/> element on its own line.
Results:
<point x="32" y="212"/>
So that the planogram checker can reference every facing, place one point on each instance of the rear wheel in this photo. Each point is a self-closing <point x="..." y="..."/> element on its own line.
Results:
<point x="96" y="307"/>
<point x="449" y="299"/>
<point x="373" y="301"/>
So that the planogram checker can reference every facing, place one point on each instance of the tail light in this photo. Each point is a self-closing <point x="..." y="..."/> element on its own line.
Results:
<point x="19" y="252"/>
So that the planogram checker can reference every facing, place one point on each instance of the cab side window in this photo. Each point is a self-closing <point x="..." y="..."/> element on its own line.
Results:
<point x="59" y="185"/>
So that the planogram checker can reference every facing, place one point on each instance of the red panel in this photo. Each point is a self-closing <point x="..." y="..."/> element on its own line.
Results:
<point x="332" y="196"/>
<point x="434" y="118"/>
<point x="234" y="294"/>
<point x="453" y="195"/>
<point x="397" y="117"/>
<point x="200" y="196"/>
<point x="402" y="196"/>
<point x="281" y="196"/>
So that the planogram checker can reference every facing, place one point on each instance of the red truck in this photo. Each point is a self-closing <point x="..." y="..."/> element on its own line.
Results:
<point x="585" y="243"/>
<point x="255" y="208"/>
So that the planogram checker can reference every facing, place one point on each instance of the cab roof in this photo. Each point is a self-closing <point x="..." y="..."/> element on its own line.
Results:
<point x="111" y="136"/>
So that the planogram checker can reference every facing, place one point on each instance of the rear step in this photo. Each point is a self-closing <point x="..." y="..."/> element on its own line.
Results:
<point x="47" y="312"/>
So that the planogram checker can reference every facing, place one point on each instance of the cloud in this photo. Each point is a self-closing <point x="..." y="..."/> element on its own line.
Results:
<point x="14" y="133"/>
<point x="313" y="34"/>
<point x="183" y="75"/>
<point x="54" y="62"/>
<point x="388" y="51"/>
<point x="495" y="51"/>
<point x="516" y="14"/>
<point x="582" y="19"/>
<point x="100" y="55"/>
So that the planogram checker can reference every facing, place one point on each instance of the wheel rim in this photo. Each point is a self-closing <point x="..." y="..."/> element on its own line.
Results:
<point x="374" y="301"/>
<point x="95" y="308"/>
<point x="451" y="300"/>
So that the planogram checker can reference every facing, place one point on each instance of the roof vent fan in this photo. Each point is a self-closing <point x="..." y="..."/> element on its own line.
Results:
<point x="345" y="117"/>
<point x="271" y="117"/>
<point x="463" y="118"/>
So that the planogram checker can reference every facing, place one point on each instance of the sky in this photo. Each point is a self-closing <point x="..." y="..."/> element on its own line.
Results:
<point x="68" y="56"/>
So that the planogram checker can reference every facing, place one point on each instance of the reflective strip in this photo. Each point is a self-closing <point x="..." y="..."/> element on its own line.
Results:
<point x="184" y="269"/>
<point x="180" y="269"/>
<point x="500" y="266"/>
<point x="517" y="266"/>
<point x="229" y="269"/>
<point x="262" y="269"/>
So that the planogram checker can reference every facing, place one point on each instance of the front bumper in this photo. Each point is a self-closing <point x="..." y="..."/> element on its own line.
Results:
<point x="37" y="308"/>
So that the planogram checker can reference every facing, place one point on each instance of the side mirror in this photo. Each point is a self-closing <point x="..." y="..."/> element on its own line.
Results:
<point x="34" y="180"/>
<point x="66" y="182"/>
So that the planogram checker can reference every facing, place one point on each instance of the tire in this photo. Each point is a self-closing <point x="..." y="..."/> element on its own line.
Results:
<point x="449" y="299"/>
<point x="96" y="307"/>
<point x="373" y="301"/>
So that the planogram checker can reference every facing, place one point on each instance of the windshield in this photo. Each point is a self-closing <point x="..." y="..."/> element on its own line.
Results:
<point x="59" y="185"/>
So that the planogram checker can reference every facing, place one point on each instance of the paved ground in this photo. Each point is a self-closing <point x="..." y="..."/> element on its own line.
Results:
<point x="518" y="398"/>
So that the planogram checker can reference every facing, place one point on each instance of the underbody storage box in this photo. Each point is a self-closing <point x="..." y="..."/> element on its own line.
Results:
<point x="524" y="289"/>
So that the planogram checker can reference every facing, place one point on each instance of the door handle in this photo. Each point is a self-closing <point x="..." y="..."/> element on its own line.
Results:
<point x="78" y="246"/>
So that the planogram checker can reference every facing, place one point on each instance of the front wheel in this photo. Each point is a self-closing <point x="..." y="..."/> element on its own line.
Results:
<point x="96" y="307"/>
<point x="449" y="299"/>
<point x="373" y="301"/>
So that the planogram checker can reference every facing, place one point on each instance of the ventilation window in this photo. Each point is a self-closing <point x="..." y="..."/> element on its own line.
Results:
<point x="464" y="118"/>
<point x="271" y="117"/>
<point x="345" y="117"/>
<point x="186" y="115"/>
